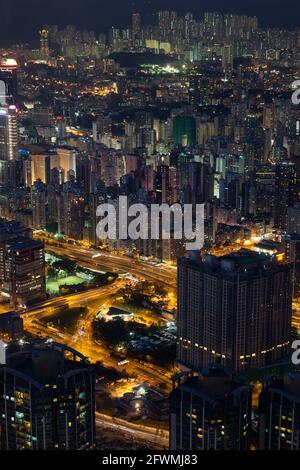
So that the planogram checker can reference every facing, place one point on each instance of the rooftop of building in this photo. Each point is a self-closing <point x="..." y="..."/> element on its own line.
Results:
<point x="8" y="63"/>
<point x="238" y="262"/>
<point x="212" y="383"/>
<point x="40" y="149"/>
<point x="11" y="229"/>
<point x="245" y="257"/>
<point x="21" y="243"/>
<point x="289" y="385"/>
<point x="45" y="149"/>
<point x="43" y="363"/>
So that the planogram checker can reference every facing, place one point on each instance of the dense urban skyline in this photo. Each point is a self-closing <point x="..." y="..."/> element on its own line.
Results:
<point x="149" y="227"/>
<point x="18" y="22"/>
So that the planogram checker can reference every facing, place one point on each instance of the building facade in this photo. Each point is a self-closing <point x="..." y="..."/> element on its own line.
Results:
<point x="279" y="414"/>
<point x="22" y="271"/>
<point x="234" y="309"/>
<point x="209" y="410"/>
<point x="47" y="400"/>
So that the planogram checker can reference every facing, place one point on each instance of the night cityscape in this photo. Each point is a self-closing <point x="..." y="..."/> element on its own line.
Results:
<point x="149" y="227"/>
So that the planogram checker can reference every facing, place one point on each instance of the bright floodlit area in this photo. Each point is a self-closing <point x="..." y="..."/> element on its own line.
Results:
<point x="53" y="285"/>
<point x="62" y="272"/>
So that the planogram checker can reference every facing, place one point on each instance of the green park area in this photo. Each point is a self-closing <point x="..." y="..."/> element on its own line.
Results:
<point x="54" y="285"/>
<point x="64" y="276"/>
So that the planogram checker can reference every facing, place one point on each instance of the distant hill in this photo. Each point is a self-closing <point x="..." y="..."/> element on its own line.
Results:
<point x="135" y="60"/>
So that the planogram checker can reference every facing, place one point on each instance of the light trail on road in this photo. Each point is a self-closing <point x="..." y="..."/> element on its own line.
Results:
<point x="152" y="435"/>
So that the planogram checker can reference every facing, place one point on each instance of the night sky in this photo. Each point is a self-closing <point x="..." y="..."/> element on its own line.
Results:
<point x="20" y="19"/>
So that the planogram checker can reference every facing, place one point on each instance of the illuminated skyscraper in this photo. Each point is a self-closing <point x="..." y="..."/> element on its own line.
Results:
<point x="210" y="410"/>
<point x="8" y="74"/>
<point x="279" y="414"/>
<point x="38" y="204"/>
<point x="22" y="271"/>
<point x="47" y="399"/>
<point x="194" y="91"/>
<point x="8" y="112"/>
<point x="227" y="57"/>
<point x="136" y="24"/>
<point x="67" y="161"/>
<point x="144" y="6"/>
<point x="164" y="22"/>
<point x="285" y="190"/>
<point x="9" y="133"/>
<point x="44" y="42"/>
<point x="233" y="309"/>
<point x="40" y="168"/>
<point x="292" y="253"/>
<point x="71" y="211"/>
<point x="102" y="126"/>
